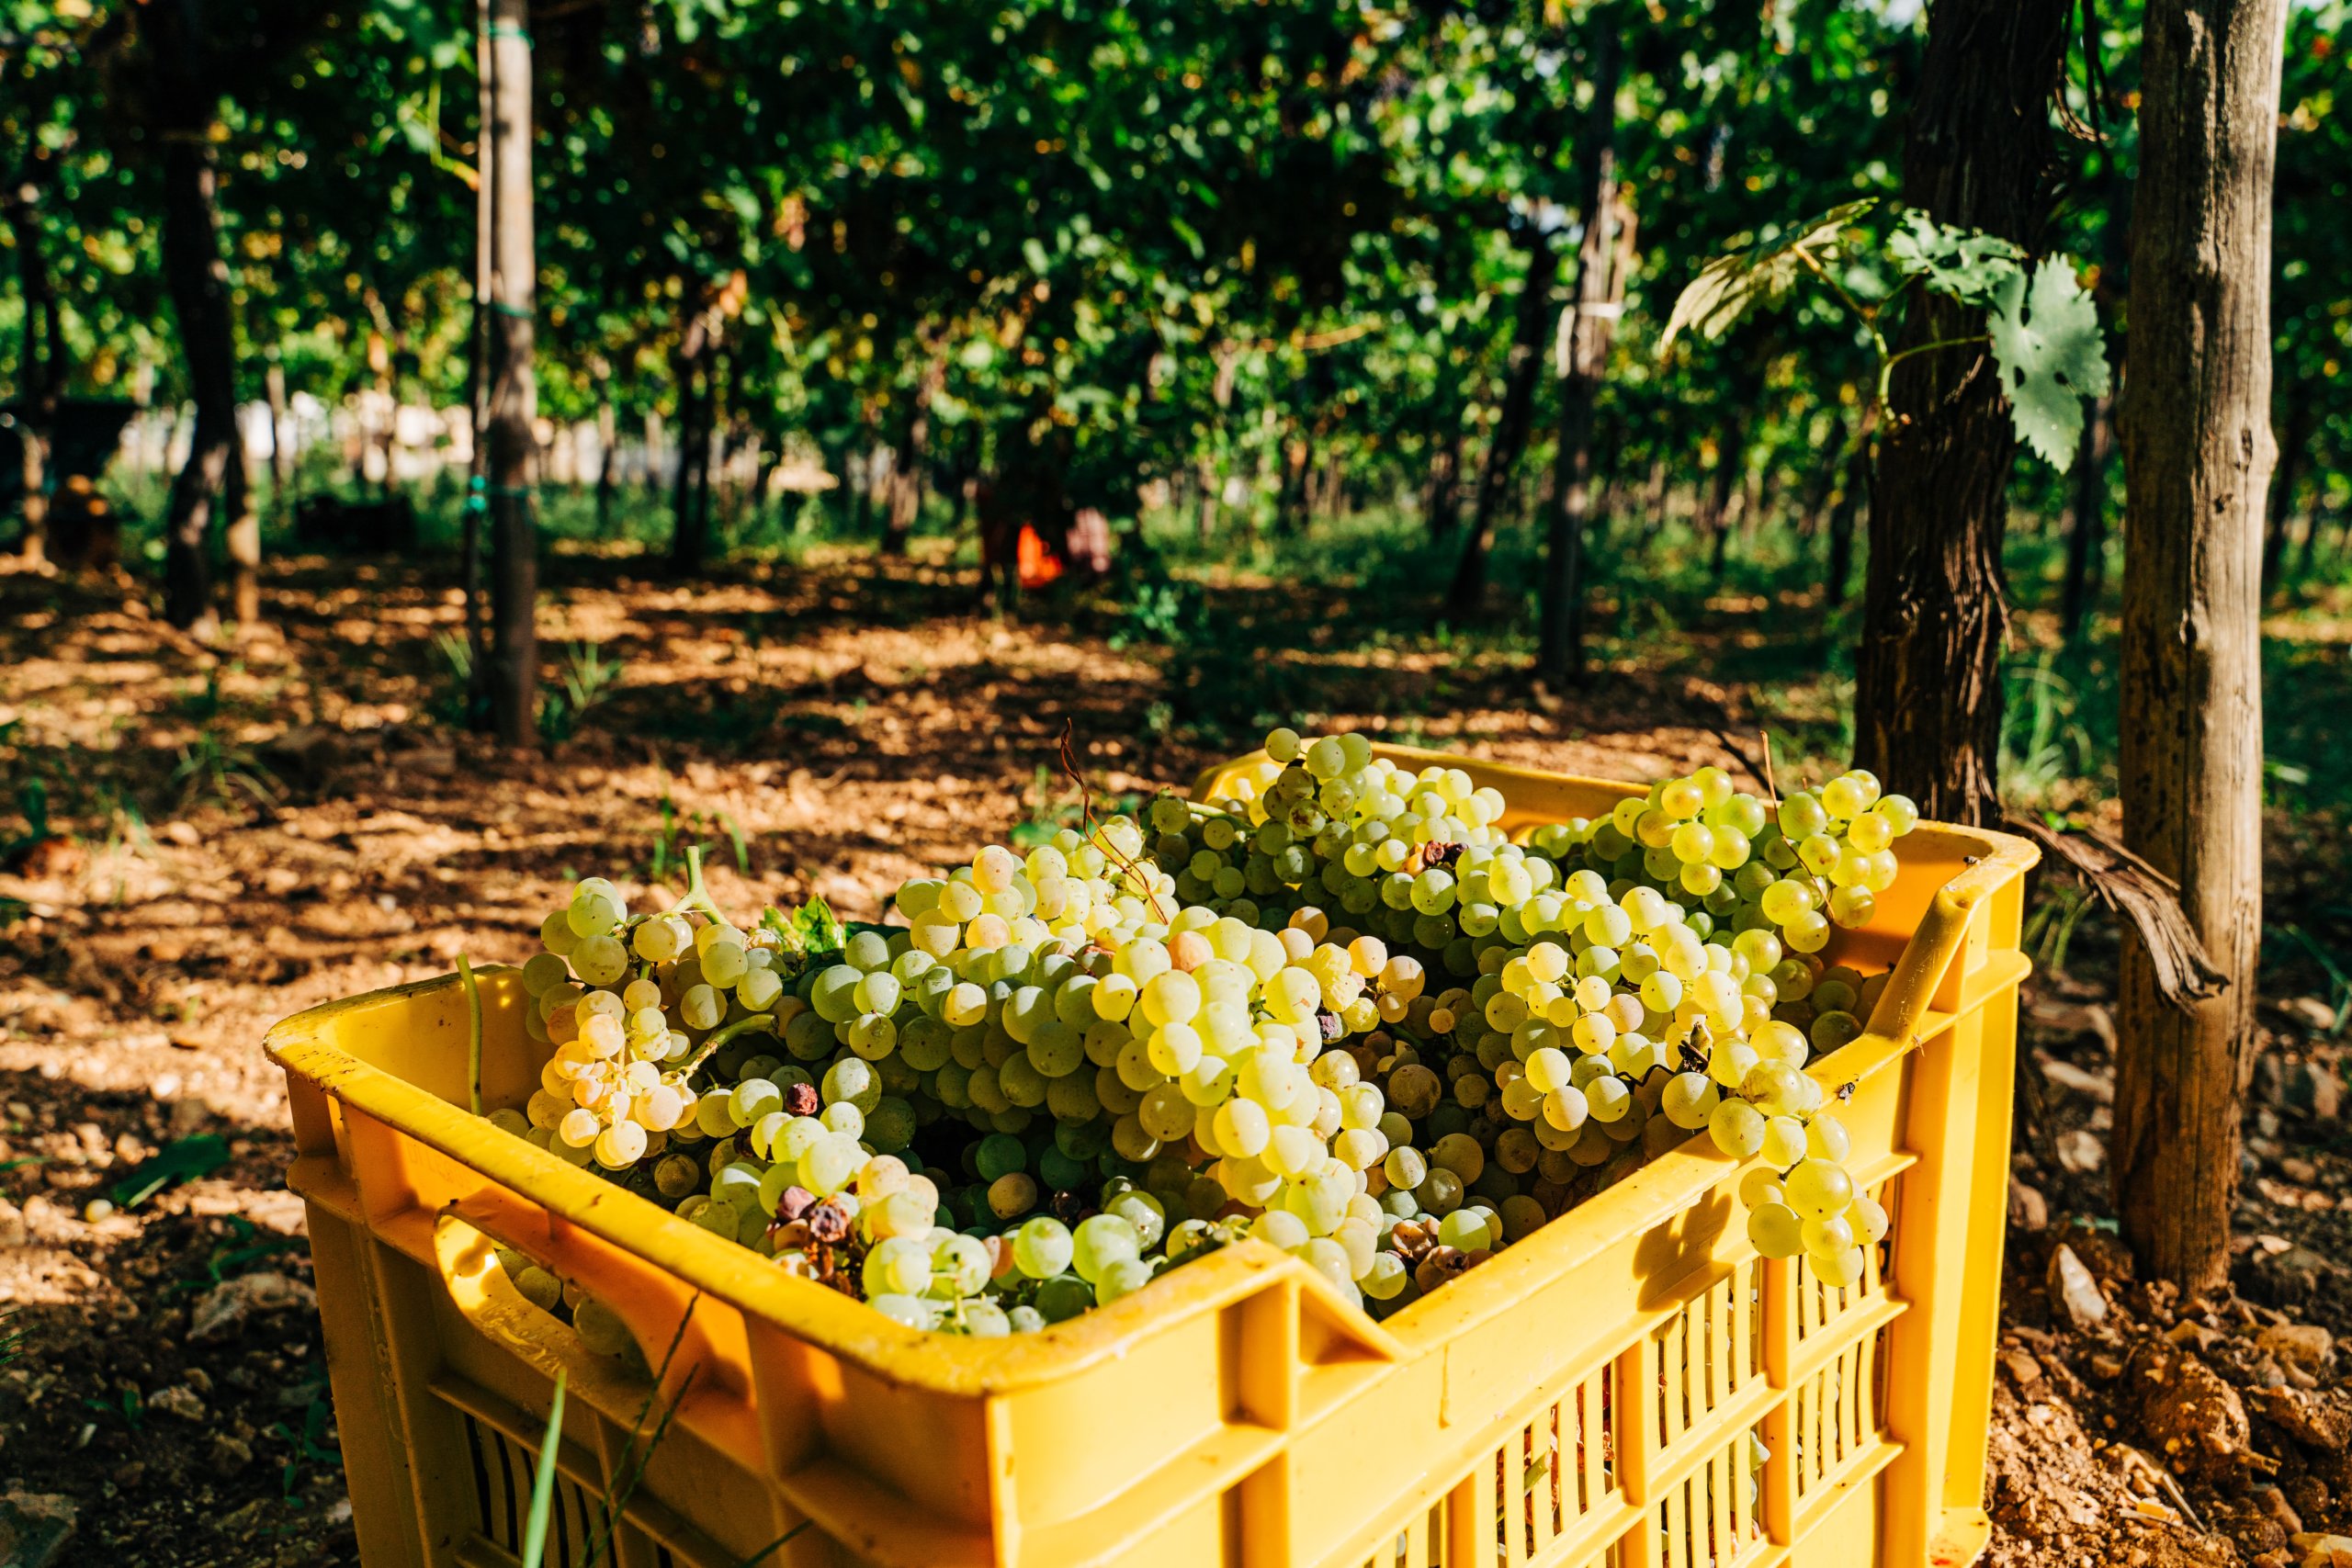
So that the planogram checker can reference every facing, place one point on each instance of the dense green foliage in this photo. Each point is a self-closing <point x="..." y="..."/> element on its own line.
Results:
<point x="1280" y="243"/>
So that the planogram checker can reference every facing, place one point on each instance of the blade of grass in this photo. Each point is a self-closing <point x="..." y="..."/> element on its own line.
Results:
<point x="473" y="1029"/>
<point x="757" y="1556"/>
<point x="534" y="1530"/>
<point x="615" y="1504"/>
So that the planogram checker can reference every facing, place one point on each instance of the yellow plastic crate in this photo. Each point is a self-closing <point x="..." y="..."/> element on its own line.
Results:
<point x="1585" y="1399"/>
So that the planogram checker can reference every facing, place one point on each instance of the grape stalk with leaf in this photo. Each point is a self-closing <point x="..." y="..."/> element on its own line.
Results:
<point x="2039" y="324"/>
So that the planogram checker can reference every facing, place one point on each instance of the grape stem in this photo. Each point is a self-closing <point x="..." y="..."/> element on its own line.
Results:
<point x="721" y="1036"/>
<point x="697" y="896"/>
<point x="473" y="1027"/>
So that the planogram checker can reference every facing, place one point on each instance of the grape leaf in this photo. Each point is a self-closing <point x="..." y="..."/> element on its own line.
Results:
<point x="2047" y="343"/>
<point x="1967" y="266"/>
<point x="1730" y="285"/>
<point x="806" y="932"/>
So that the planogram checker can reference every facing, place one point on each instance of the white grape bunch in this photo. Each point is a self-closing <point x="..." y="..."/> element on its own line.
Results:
<point x="1336" y="1010"/>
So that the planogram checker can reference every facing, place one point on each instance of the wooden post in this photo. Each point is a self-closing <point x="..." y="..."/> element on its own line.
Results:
<point x="2197" y="461"/>
<point x="512" y="389"/>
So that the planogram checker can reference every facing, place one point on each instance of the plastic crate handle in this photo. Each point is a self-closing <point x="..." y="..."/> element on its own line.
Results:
<point x="701" y="1379"/>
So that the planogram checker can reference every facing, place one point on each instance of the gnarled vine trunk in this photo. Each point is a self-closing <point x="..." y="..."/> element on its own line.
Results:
<point x="1935" y="618"/>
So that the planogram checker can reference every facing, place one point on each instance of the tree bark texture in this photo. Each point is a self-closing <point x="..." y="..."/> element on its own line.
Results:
<point x="42" y="367"/>
<point x="1977" y="153"/>
<point x="1507" y="439"/>
<point x="2307" y="553"/>
<point x="513" y="387"/>
<point x="1813" y="507"/>
<point x="475" y="514"/>
<point x="2086" y="531"/>
<point x="1852" y="495"/>
<point x="2196" y="460"/>
<point x="1444" y="505"/>
<point x="607" y="455"/>
<point x="1601" y="286"/>
<point x="914" y="453"/>
<point x="2292" y="450"/>
<point x="690" y="488"/>
<point x="1715" y="510"/>
<point x="212" y="482"/>
<point x="281" y="451"/>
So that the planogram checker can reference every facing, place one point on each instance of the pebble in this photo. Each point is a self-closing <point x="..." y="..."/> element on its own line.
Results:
<point x="2311" y="1012"/>
<point x="2301" y="1172"/>
<point x="224" y="1309"/>
<point x="34" y="1529"/>
<point x="2022" y="1367"/>
<point x="2081" y="1150"/>
<point x="2029" y="1209"/>
<point x="2292" y="1276"/>
<point x="2073" y="1289"/>
<point x="2322" y="1551"/>
<point x="177" y="1400"/>
<point x="13" y="1229"/>
<point x="229" y="1454"/>
<point x="2274" y="1503"/>
<point x="2269" y="1085"/>
<point x="2100" y="1087"/>
<point x="2304" y="1345"/>
<point x="2314" y="1088"/>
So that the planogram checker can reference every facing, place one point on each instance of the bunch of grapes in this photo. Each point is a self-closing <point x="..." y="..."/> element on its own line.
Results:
<point x="1069" y="1070"/>
<point x="1614" y="1030"/>
<point x="1815" y="865"/>
<point x="632" y="1004"/>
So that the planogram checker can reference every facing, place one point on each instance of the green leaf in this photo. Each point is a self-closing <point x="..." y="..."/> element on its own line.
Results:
<point x="182" y="1161"/>
<point x="1961" y="262"/>
<point x="534" y="1527"/>
<point x="2047" y="343"/>
<point x="1732" y="285"/>
<point x="810" y="930"/>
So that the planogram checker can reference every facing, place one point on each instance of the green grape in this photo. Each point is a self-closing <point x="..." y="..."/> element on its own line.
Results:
<point x="1737" y="1128"/>
<point x="1776" y="1231"/>
<point x="1840" y="1271"/>
<point x="1818" y="1189"/>
<point x="1826" y="1138"/>
<point x="1121" y="1277"/>
<point x="1785" y="1142"/>
<point x="1759" y="1188"/>
<point x="1100" y="1241"/>
<point x="1042" y="1248"/>
<point x="1827" y="1238"/>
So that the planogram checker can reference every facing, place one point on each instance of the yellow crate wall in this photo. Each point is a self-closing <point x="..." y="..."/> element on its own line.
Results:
<point x="1585" y="1399"/>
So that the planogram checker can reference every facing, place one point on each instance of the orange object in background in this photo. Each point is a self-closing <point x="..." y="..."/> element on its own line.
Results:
<point x="1038" y="566"/>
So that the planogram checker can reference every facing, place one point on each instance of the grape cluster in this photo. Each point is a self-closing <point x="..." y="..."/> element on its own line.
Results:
<point x="625" y="1001"/>
<point x="1814" y="865"/>
<point x="1338" y="1011"/>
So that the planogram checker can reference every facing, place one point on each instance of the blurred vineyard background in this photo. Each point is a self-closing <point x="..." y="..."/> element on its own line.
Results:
<point x="448" y="450"/>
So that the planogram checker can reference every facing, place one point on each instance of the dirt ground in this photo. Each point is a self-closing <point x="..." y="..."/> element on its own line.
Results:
<point x="242" y="832"/>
